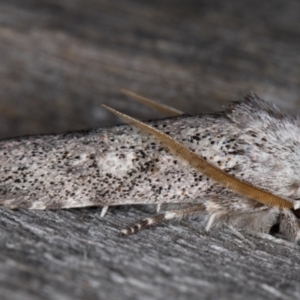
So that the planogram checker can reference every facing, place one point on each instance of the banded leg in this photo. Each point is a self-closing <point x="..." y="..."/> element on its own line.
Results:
<point x="169" y="215"/>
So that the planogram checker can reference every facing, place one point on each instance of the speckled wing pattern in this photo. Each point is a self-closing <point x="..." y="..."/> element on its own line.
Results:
<point x="251" y="139"/>
<point x="118" y="166"/>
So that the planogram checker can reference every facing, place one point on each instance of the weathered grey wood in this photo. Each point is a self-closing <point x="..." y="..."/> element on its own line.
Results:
<point x="59" y="60"/>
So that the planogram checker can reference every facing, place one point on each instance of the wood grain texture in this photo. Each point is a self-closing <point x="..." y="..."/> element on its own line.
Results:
<point x="59" y="60"/>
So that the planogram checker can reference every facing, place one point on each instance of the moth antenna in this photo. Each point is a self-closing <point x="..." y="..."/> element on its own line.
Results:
<point x="169" y="215"/>
<point x="206" y="168"/>
<point x="165" y="109"/>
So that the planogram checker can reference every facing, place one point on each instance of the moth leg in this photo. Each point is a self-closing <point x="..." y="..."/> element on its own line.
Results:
<point x="289" y="225"/>
<point x="211" y="220"/>
<point x="228" y="219"/>
<point x="236" y="232"/>
<point x="158" y="207"/>
<point x="240" y="236"/>
<point x="274" y="239"/>
<point x="259" y="222"/>
<point x="165" y="109"/>
<point x="104" y="210"/>
<point x="169" y="215"/>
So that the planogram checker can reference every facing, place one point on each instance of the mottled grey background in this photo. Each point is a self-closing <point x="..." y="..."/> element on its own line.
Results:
<point x="60" y="59"/>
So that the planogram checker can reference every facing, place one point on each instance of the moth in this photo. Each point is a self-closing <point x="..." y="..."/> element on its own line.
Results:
<point x="239" y="167"/>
